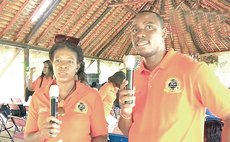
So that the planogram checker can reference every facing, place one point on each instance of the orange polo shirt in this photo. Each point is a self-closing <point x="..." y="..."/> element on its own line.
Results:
<point x="171" y="100"/>
<point x="45" y="82"/>
<point x="83" y="119"/>
<point x="108" y="95"/>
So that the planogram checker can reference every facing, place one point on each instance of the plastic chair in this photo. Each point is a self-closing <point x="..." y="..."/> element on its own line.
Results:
<point x="4" y="127"/>
<point x="19" y="123"/>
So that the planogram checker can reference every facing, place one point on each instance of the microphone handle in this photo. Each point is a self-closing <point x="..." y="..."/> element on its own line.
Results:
<point x="53" y="106"/>
<point x="129" y="77"/>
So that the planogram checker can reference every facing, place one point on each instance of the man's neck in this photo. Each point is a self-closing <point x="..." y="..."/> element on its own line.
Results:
<point x="152" y="62"/>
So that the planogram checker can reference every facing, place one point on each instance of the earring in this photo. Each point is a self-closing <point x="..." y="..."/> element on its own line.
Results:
<point x="54" y="78"/>
<point x="76" y="77"/>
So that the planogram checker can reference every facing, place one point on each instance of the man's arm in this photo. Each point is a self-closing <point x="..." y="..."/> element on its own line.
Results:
<point x="124" y="123"/>
<point x="226" y="129"/>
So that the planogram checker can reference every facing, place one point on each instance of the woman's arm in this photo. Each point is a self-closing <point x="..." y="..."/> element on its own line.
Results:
<point x="101" y="138"/>
<point x="34" y="137"/>
<point x="30" y="82"/>
<point x="226" y="129"/>
<point x="51" y="128"/>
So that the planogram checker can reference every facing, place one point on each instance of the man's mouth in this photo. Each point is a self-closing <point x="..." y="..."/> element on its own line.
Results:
<point x="142" y="43"/>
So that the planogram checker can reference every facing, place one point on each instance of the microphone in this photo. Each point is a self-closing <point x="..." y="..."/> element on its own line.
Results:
<point x="54" y="93"/>
<point x="129" y="62"/>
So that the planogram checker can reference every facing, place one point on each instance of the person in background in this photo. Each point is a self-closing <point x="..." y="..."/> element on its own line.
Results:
<point x="171" y="91"/>
<point x="212" y="128"/>
<point x="108" y="94"/>
<point x="94" y="85"/>
<point x="80" y="109"/>
<point x="45" y="78"/>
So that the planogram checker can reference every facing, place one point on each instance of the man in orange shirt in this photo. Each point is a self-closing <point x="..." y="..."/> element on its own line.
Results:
<point x="108" y="95"/>
<point x="171" y="90"/>
<point x="81" y="112"/>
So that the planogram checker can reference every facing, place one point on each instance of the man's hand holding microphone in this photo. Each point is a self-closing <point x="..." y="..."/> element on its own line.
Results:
<point x="126" y="97"/>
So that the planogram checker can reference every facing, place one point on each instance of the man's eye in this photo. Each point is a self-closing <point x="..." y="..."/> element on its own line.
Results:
<point x="57" y="60"/>
<point x="134" y="30"/>
<point x="149" y="27"/>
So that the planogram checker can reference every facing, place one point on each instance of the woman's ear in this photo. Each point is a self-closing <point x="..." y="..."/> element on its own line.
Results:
<point x="78" y="67"/>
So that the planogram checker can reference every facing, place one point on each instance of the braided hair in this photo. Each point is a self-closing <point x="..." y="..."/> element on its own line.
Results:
<point x="213" y="130"/>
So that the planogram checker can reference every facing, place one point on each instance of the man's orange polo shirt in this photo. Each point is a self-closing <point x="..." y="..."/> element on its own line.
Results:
<point x="171" y="100"/>
<point x="83" y="119"/>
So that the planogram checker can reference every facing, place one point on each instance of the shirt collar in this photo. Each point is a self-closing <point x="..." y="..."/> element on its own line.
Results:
<point x="163" y="64"/>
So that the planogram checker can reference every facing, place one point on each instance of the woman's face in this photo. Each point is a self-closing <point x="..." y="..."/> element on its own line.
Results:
<point x="46" y="69"/>
<point x="65" y="65"/>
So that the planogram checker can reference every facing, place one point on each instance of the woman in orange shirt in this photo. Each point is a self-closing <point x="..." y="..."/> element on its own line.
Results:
<point x="43" y="79"/>
<point x="109" y="94"/>
<point x="80" y="109"/>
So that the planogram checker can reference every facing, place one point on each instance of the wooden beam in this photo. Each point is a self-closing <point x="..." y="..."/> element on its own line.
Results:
<point x="14" y="19"/>
<point x="42" y="20"/>
<point x="114" y="4"/>
<point x="54" y="21"/>
<point x="22" y="29"/>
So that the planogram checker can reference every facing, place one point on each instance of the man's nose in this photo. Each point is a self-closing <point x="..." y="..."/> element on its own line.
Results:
<point x="141" y="34"/>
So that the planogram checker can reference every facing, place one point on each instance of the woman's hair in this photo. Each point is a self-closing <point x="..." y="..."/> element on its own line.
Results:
<point x="117" y="78"/>
<point x="81" y="75"/>
<point x="50" y="68"/>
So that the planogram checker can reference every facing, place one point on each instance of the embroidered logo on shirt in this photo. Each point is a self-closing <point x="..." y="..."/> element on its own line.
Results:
<point x="81" y="107"/>
<point x="172" y="86"/>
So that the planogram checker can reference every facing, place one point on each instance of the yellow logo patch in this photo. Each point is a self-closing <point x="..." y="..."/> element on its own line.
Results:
<point x="173" y="85"/>
<point x="81" y="107"/>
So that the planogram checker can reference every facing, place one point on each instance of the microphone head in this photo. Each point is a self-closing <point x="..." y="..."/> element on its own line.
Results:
<point x="54" y="91"/>
<point x="129" y="61"/>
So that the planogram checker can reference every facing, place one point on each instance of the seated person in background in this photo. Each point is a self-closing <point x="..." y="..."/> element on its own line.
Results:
<point x="212" y="128"/>
<point x="108" y="94"/>
<point x="80" y="109"/>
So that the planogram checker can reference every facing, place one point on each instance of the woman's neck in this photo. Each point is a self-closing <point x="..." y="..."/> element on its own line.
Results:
<point x="66" y="89"/>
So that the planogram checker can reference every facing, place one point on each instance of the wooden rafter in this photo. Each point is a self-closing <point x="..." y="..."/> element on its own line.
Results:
<point x="54" y="21"/>
<point x="14" y="19"/>
<point x="113" y="4"/>
<point x="41" y="20"/>
<point x="28" y="21"/>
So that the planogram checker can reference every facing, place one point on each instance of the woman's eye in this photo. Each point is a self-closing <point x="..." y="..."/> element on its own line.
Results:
<point x="70" y="61"/>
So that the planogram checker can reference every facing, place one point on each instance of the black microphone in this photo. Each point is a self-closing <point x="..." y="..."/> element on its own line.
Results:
<point x="54" y="93"/>
<point x="129" y="62"/>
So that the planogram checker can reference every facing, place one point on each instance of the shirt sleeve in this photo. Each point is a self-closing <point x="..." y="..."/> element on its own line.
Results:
<point x="31" y="121"/>
<point x="98" y="122"/>
<point x="212" y="92"/>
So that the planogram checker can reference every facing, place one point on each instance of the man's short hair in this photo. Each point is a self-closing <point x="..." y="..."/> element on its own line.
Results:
<point x="157" y="15"/>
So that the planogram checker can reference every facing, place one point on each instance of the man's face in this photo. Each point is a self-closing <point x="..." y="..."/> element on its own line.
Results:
<point x="147" y="34"/>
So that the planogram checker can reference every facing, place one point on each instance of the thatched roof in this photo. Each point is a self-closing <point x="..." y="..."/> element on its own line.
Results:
<point x="194" y="26"/>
